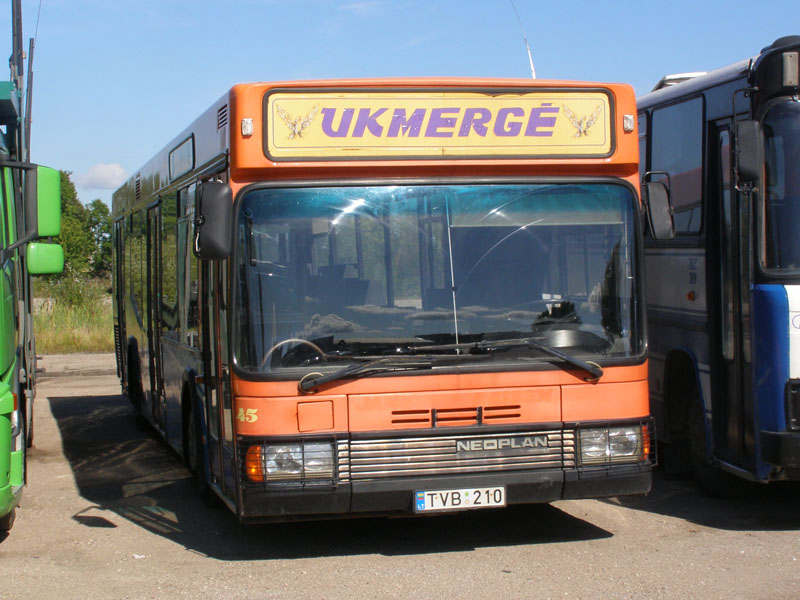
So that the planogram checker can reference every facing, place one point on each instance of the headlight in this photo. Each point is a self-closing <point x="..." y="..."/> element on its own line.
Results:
<point x="286" y="461"/>
<point x="614" y="444"/>
<point x="318" y="460"/>
<point x="298" y="462"/>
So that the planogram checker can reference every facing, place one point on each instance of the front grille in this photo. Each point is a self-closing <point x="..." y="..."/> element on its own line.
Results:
<point x="383" y="458"/>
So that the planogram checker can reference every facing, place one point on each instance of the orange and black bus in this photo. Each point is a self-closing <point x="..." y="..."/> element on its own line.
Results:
<point x="391" y="296"/>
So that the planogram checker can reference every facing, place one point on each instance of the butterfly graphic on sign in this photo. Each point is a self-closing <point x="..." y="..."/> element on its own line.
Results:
<point x="582" y="124"/>
<point x="297" y="125"/>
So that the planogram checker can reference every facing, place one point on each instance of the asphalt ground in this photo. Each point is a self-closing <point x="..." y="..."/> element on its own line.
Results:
<point x="78" y="364"/>
<point x="110" y="512"/>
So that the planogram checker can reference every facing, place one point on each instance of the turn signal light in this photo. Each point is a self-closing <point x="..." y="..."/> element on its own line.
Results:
<point x="253" y="466"/>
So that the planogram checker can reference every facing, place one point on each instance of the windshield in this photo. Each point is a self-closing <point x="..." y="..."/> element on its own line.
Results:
<point x="780" y="242"/>
<point x="331" y="275"/>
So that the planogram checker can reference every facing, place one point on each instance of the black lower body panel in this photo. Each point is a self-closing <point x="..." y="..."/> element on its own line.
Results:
<point x="782" y="449"/>
<point x="396" y="496"/>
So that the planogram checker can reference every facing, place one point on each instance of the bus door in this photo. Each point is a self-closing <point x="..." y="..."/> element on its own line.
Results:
<point x="216" y="369"/>
<point x="733" y="437"/>
<point x="153" y="324"/>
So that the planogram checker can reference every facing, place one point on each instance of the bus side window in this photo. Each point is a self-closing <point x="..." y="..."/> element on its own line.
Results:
<point x="187" y="273"/>
<point x="676" y="146"/>
<point x="169" y="267"/>
<point x="135" y="251"/>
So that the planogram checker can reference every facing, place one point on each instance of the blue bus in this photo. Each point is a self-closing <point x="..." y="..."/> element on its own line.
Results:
<point x="723" y="283"/>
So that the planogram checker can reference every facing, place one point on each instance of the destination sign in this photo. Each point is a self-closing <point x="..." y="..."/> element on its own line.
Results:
<point x="451" y="124"/>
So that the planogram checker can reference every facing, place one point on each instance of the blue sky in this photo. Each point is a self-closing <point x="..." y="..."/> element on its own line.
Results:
<point x="115" y="80"/>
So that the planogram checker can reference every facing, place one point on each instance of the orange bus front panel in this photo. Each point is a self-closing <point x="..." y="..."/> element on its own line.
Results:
<point x="602" y="402"/>
<point x="372" y="412"/>
<point x="290" y="416"/>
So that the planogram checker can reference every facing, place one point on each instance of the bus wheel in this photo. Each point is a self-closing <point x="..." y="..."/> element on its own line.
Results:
<point x="710" y="478"/>
<point x="194" y="457"/>
<point x="136" y="395"/>
<point x="7" y="522"/>
<point x="28" y="418"/>
<point x="194" y="460"/>
<point x="29" y="440"/>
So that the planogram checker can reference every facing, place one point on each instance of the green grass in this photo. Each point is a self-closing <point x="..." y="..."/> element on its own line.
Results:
<point x="73" y="322"/>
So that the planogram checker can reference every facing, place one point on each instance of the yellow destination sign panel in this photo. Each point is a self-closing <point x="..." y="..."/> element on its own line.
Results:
<point x="359" y="125"/>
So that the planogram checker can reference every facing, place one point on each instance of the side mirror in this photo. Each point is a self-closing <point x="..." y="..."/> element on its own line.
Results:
<point x="749" y="152"/>
<point x="42" y="202"/>
<point x="213" y="212"/>
<point x="48" y="201"/>
<point x="44" y="259"/>
<point x="659" y="212"/>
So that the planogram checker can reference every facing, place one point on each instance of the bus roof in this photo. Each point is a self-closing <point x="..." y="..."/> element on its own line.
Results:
<point x="690" y="83"/>
<point x="671" y="87"/>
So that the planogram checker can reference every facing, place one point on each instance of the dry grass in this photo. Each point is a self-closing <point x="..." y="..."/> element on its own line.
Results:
<point x="62" y="327"/>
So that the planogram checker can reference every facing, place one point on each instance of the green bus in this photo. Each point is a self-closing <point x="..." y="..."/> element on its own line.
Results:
<point x="30" y="197"/>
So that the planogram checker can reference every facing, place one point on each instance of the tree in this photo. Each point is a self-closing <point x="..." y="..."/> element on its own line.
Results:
<point x="100" y="226"/>
<point x="75" y="238"/>
<point x="85" y="233"/>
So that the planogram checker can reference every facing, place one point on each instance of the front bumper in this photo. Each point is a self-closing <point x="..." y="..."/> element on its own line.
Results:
<point x="396" y="496"/>
<point x="381" y="473"/>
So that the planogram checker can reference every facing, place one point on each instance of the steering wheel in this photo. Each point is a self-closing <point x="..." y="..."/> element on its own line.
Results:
<point x="312" y="345"/>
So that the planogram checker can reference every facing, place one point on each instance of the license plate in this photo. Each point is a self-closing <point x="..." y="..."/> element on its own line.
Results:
<point x="438" y="500"/>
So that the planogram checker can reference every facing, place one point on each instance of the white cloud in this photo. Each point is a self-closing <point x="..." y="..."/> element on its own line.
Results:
<point x="362" y="9"/>
<point x="102" y="177"/>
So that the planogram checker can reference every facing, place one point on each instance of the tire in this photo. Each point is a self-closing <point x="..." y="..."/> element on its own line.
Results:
<point x="194" y="448"/>
<point x="710" y="478"/>
<point x="194" y="460"/>
<point x="29" y="441"/>
<point x="136" y="393"/>
<point x="7" y="522"/>
<point x="28" y="417"/>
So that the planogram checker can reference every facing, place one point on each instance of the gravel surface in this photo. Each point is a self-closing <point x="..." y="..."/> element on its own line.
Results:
<point x="110" y="513"/>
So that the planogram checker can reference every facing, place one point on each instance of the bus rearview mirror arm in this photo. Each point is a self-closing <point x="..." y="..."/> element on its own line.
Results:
<point x="212" y="223"/>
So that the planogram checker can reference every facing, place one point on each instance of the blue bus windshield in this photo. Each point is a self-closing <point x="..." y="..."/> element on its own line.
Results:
<point x="781" y="244"/>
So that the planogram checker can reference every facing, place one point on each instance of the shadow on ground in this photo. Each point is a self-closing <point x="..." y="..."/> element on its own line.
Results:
<point x="122" y="471"/>
<point x="756" y="507"/>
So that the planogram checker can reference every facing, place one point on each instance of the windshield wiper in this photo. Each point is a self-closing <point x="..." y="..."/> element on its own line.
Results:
<point x="593" y="369"/>
<point x="312" y="381"/>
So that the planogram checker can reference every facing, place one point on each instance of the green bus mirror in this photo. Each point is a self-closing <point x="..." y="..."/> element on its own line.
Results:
<point x="48" y="201"/>
<point x="44" y="259"/>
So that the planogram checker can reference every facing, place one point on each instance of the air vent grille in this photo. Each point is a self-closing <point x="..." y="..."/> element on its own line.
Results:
<point x="462" y="416"/>
<point x="222" y="117"/>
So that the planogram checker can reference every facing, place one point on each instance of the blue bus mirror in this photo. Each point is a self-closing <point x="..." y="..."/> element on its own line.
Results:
<point x="659" y="211"/>
<point x="749" y="153"/>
